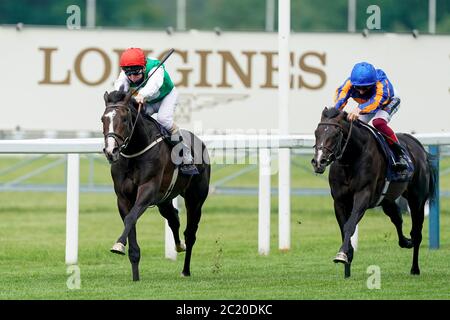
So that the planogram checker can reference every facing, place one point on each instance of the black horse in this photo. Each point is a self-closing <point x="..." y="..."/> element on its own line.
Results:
<point x="144" y="174"/>
<point x="357" y="179"/>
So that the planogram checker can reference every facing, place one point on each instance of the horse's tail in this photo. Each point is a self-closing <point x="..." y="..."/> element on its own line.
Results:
<point x="431" y="159"/>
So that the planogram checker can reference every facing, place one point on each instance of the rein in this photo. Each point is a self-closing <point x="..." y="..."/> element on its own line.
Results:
<point x="127" y="140"/>
<point x="342" y="134"/>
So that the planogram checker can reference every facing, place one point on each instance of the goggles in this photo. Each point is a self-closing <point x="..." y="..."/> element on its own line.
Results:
<point x="133" y="72"/>
<point x="136" y="70"/>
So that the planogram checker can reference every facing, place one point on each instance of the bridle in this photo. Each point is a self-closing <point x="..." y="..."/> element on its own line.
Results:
<point x="337" y="152"/>
<point x="117" y="137"/>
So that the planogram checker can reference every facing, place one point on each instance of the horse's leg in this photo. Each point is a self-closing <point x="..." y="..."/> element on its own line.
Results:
<point x="417" y="205"/>
<point x="360" y="205"/>
<point x="194" y="198"/>
<point x="392" y="210"/>
<point x="134" y="253"/>
<point x="124" y="205"/>
<point x="146" y="195"/>
<point x="168" y="211"/>
<point x="342" y="211"/>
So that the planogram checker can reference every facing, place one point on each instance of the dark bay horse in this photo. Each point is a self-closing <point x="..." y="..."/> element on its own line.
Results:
<point x="144" y="174"/>
<point x="357" y="179"/>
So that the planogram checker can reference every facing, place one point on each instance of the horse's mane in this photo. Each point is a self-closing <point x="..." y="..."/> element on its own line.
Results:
<point x="118" y="96"/>
<point x="331" y="113"/>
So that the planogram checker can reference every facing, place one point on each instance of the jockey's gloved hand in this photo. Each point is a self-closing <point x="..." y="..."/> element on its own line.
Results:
<point x="353" y="113"/>
<point x="139" y="98"/>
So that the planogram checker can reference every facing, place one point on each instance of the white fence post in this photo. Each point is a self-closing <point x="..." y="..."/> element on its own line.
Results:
<point x="73" y="193"/>
<point x="264" y="202"/>
<point x="170" y="251"/>
<point x="284" y="172"/>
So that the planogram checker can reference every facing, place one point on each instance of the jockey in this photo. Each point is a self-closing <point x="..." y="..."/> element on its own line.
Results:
<point x="158" y="95"/>
<point x="377" y="100"/>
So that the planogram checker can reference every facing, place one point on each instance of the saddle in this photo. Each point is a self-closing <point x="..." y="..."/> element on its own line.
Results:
<point x="167" y="138"/>
<point x="390" y="157"/>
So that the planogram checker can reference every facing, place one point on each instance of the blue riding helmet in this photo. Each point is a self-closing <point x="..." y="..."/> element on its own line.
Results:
<point x="363" y="74"/>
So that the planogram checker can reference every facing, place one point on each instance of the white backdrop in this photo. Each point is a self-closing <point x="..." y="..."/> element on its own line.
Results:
<point x="54" y="78"/>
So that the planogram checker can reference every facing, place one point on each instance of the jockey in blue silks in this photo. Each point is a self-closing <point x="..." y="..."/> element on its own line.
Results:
<point x="377" y="101"/>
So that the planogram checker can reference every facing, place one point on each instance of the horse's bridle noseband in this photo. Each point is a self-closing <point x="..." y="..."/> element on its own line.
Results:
<point x="337" y="152"/>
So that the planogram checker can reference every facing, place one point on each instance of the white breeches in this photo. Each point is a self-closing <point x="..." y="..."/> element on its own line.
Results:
<point x="164" y="109"/>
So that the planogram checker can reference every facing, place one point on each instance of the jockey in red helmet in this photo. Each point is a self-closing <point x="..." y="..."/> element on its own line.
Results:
<point x="377" y="100"/>
<point x="158" y="95"/>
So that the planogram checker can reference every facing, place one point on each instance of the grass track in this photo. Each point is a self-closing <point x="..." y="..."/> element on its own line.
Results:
<point x="225" y="263"/>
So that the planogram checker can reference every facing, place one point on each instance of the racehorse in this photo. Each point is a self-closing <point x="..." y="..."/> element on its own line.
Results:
<point x="357" y="180"/>
<point x="144" y="174"/>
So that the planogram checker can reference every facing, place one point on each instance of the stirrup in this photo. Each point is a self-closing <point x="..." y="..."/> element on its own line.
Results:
<point x="189" y="169"/>
<point x="400" y="166"/>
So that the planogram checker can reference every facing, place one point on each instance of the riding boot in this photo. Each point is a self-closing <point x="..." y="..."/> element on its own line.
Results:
<point x="187" y="167"/>
<point x="402" y="163"/>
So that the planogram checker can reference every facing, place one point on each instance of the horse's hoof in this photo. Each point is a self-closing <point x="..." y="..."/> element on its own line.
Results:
<point x="347" y="271"/>
<point x="185" y="274"/>
<point x="118" y="248"/>
<point x="341" y="257"/>
<point x="180" y="247"/>
<point x="415" y="272"/>
<point x="405" y="243"/>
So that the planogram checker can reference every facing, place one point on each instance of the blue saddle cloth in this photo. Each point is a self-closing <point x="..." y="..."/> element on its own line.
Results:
<point x="390" y="157"/>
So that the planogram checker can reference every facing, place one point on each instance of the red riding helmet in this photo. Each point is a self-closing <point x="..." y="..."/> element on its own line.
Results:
<point x="132" y="57"/>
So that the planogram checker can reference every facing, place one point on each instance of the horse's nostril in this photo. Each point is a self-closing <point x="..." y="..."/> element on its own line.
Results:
<point x="313" y="162"/>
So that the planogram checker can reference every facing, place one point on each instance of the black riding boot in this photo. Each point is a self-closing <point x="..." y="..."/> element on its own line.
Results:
<point x="187" y="166"/>
<point x="401" y="164"/>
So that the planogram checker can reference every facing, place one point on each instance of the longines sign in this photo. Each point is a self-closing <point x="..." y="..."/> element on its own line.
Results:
<point x="55" y="78"/>
<point x="228" y="63"/>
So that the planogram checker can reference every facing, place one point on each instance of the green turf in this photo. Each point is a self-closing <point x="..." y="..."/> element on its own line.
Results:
<point x="225" y="262"/>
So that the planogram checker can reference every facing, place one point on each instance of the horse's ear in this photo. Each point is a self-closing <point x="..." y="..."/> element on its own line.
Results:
<point x="122" y="88"/>
<point x="105" y="96"/>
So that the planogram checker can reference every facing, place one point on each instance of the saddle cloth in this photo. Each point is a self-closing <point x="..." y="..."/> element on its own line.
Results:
<point x="390" y="157"/>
